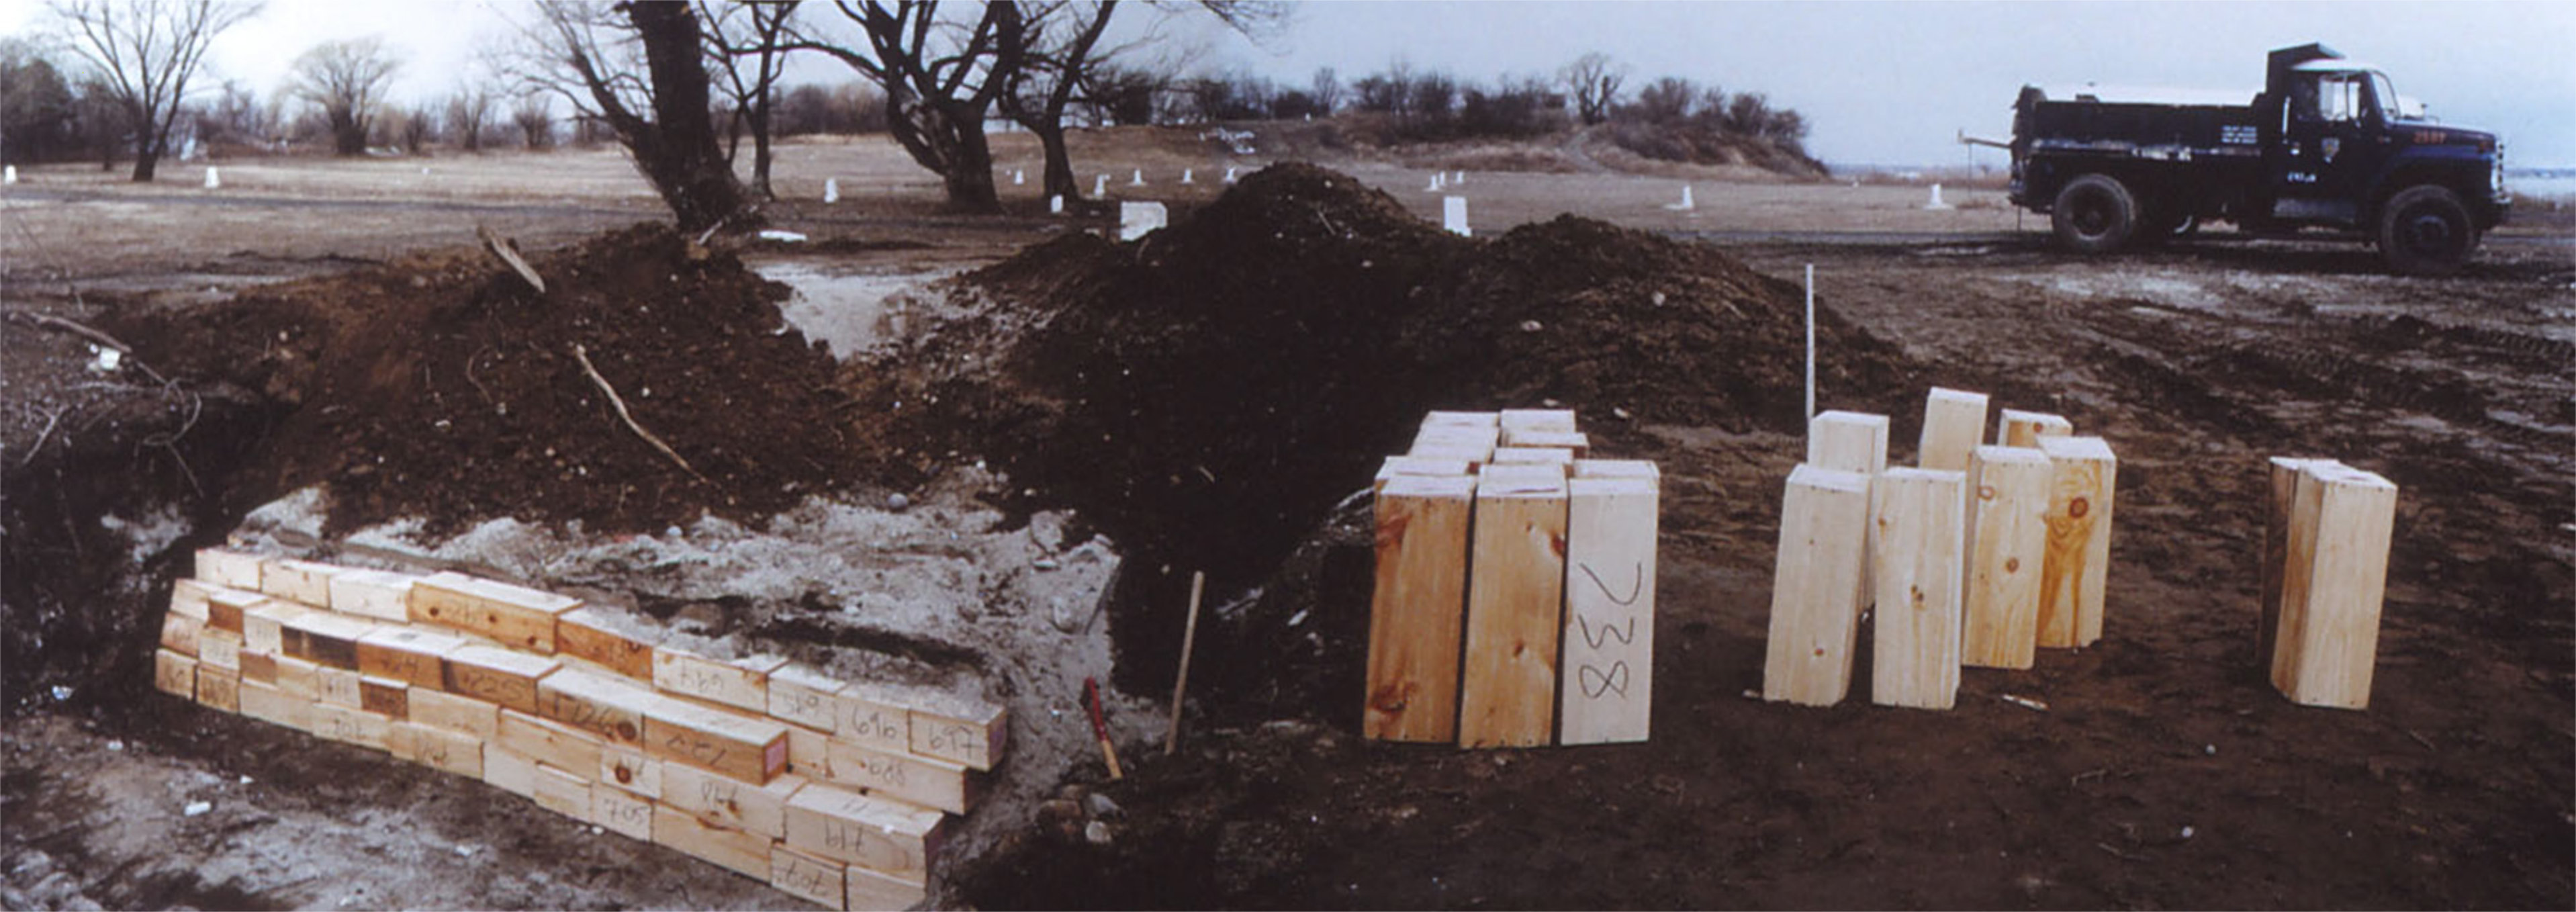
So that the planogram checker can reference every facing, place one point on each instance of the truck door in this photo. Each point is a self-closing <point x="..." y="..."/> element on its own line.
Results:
<point x="2328" y="127"/>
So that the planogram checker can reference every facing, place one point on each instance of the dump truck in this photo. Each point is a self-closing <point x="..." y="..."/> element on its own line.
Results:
<point x="2328" y="143"/>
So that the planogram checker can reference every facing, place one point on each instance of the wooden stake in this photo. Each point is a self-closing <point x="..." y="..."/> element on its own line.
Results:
<point x="1181" y="684"/>
<point x="509" y="254"/>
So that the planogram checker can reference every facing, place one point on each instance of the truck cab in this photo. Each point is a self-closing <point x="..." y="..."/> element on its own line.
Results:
<point x="2328" y="143"/>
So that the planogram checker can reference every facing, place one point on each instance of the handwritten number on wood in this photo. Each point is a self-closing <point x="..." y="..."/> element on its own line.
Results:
<point x="1636" y="585"/>
<point x="1597" y="682"/>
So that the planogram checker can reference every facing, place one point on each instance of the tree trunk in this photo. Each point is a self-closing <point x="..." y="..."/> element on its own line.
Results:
<point x="970" y="172"/>
<point x="678" y="151"/>
<point x="1059" y="159"/>
<point x="147" y="145"/>
<point x="760" y="156"/>
<point x="348" y="134"/>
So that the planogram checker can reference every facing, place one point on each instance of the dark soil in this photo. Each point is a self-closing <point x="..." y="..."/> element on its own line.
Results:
<point x="443" y="387"/>
<point x="1246" y="368"/>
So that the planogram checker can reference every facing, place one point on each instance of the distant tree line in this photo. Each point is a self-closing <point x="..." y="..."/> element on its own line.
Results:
<point x="54" y="111"/>
<point x="693" y="89"/>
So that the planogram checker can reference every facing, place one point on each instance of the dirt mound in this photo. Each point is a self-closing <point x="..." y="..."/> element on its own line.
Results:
<point x="1208" y="393"/>
<point x="443" y="387"/>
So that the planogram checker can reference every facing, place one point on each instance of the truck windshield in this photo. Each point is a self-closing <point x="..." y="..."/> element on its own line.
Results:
<point x="2389" y="106"/>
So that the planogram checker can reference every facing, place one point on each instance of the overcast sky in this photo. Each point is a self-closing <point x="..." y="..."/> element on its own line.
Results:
<point x="1889" y="83"/>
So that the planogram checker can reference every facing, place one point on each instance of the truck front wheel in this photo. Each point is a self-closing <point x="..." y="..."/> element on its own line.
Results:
<point x="2425" y="230"/>
<point x="2095" y="214"/>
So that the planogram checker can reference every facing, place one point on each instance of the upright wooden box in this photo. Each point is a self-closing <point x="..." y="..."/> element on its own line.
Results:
<point x="1954" y="422"/>
<point x="1914" y="659"/>
<point x="2007" y="548"/>
<point x="1418" y="612"/>
<point x="1515" y="599"/>
<point x="1607" y="685"/>
<point x="2333" y="582"/>
<point x="2078" y="563"/>
<point x="1814" y="623"/>
<point x="1852" y="442"/>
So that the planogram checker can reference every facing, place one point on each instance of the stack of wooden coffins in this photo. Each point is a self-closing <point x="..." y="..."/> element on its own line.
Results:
<point x="1515" y="593"/>
<point x="1976" y="555"/>
<point x="831" y="790"/>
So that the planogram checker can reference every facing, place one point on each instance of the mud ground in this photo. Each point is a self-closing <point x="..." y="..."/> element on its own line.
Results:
<point x="2164" y="772"/>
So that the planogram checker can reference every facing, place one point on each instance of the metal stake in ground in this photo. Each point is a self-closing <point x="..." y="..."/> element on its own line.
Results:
<point x="1181" y="684"/>
<point x="1100" y="727"/>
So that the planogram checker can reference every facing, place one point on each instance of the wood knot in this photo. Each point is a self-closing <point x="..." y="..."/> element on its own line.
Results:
<point x="2012" y="565"/>
<point x="1985" y="492"/>
<point x="2078" y="507"/>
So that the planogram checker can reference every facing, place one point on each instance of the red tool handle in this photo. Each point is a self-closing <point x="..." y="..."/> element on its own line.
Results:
<point x="1091" y="695"/>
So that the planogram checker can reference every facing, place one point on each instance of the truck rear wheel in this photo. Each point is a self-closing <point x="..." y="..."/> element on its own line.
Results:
<point x="2425" y="230"/>
<point x="2095" y="214"/>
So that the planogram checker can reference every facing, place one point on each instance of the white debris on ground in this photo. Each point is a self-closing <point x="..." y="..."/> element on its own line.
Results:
<point x="939" y="593"/>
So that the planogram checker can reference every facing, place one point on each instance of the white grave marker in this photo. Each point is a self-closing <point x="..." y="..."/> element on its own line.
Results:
<point x="1185" y="175"/>
<point x="1138" y="180"/>
<point x="1453" y="216"/>
<point x="8" y="175"/>
<point x="213" y="182"/>
<point x="1229" y="175"/>
<point x="1135" y="220"/>
<point x="1936" y="203"/>
<point x="1685" y="205"/>
<point x="1019" y="177"/>
<point x="1055" y="204"/>
<point x="1100" y="187"/>
<point x="831" y="190"/>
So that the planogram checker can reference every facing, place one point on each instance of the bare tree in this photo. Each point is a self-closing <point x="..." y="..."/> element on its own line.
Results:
<point x="408" y="129"/>
<point x="753" y="32"/>
<point x="236" y="116"/>
<point x="1666" y="101"/>
<point x="1065" y="59"/>
<point x="941" y="76"/>
<point x="469" y="113"/>
<point x="1593" y="81"/>
<point x="346" y="79"/>
<point x="640" y="69"/>
<point x="146" y="51"/>
<point x="534" y="116"/>
<point x="1327" y="90"/>
<point x="1064" y="36"/>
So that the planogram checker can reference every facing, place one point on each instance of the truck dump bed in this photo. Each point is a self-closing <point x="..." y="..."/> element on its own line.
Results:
<point x="2133" y="125"/>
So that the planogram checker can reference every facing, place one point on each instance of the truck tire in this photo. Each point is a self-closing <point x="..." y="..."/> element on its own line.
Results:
<point x="2425" y="230"/>
<point x="2095" y="214"/>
